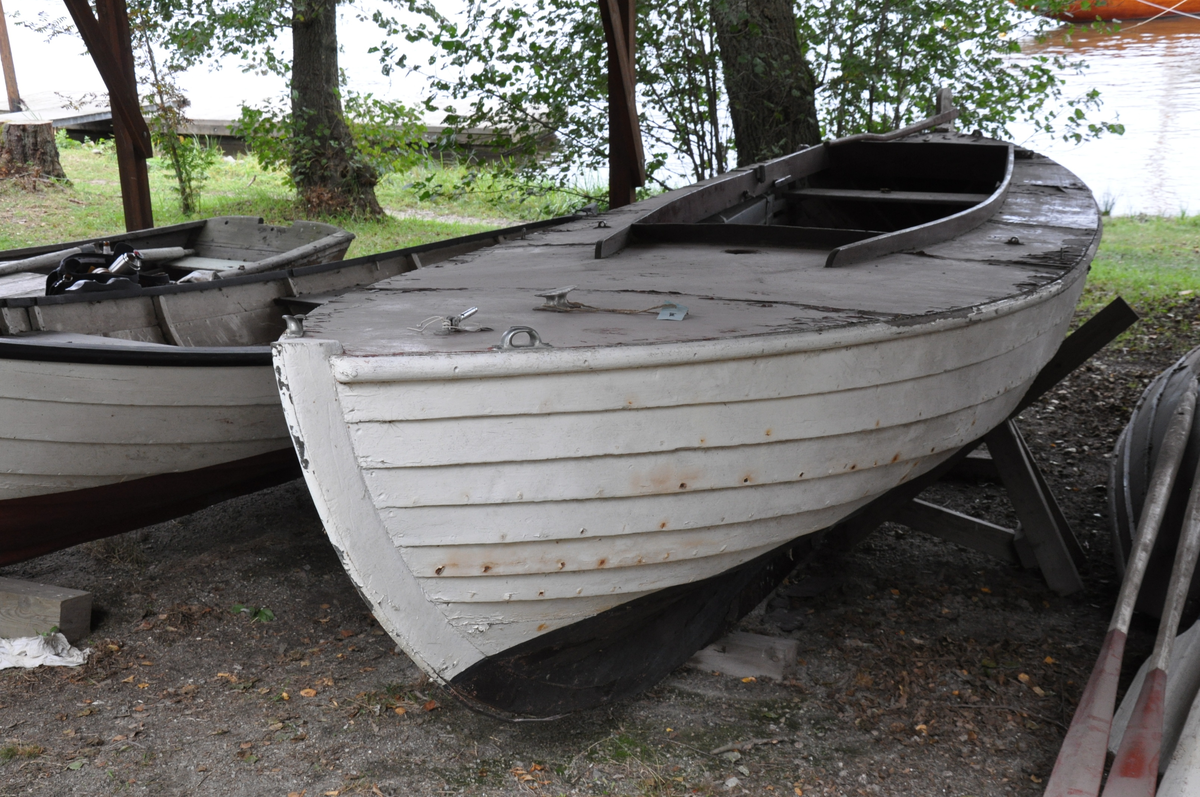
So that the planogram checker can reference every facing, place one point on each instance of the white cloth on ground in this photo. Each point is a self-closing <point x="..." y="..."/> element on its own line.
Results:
<point x="51" y="650"/>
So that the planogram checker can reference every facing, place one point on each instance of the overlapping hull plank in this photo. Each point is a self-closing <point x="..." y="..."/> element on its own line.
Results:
<point x="546" y="529"/>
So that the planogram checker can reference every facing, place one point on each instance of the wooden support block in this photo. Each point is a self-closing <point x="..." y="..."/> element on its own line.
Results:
<point x="743" y="655"/>
<point x="1032" y="502"/>
<point x="28" y="609"/>
<point x="958" y="528"/>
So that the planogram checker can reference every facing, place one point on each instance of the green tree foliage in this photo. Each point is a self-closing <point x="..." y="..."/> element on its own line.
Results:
<point x="189" y="157"/>
<point x="324" y="164"/>
<point x="389" y="135"/>
<point x="534" y="71"/>
<point x="878" y="61"/>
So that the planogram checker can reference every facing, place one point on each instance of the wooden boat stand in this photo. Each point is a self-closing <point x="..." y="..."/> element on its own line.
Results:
<point x="1043" y="539"/>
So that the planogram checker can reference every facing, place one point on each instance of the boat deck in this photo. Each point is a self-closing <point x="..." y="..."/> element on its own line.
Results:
<point x="728" y="290"/>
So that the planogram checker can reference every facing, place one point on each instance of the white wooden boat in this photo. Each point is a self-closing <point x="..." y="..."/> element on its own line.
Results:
<point x="551" y="520"/>
<point x="129" y="407"/>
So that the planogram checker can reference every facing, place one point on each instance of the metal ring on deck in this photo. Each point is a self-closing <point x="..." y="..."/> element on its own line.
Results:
<point x="535" y="340"/>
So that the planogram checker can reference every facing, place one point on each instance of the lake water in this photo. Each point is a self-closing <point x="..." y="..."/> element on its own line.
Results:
<point x="1149" y="78"/>
<point x="1148" y="74"/>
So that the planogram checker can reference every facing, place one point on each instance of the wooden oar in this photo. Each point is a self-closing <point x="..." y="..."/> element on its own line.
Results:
<point x="1080" y="764"/>
<point x="1182" y="778"/>
<point x="1134" y="772"/>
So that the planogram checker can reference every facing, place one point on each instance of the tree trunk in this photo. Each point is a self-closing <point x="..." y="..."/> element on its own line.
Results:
<point x="769" y="84"/>
<point x="29" y="150"/>
<point x="327" y="168"/>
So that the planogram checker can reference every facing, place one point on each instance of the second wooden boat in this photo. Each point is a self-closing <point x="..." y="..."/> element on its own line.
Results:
<point x="553" y="501"/>
<point x="1134" y="457"/>
<point x="121" y="408"/>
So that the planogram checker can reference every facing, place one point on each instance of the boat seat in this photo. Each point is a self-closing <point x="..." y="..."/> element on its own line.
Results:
<point x="884" y="195"/>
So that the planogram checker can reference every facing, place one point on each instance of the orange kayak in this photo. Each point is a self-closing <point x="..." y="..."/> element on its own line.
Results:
<point x="1110" y="10"/>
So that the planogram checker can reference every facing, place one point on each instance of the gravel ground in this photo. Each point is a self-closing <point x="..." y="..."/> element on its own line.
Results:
<point x="232" y="656"/>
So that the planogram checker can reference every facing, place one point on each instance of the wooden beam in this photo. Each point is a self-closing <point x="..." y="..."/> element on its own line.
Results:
<point x="28" y="609"/>
<point x="107" y="37"/>
<point x="1096" y="333"/>
<point x="121" y="94"/>
<point x="10" y="72"/>
<point x="978" y="466"/>
<point x="626" y="158"/>
<point x="959" y="529"/>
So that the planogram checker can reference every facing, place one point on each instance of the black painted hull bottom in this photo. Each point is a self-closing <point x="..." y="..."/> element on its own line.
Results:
<point x="624" y="650"/>
<point x="35" y="526"/>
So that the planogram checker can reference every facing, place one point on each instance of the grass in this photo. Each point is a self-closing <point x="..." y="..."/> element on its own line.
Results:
<point x="1154" y="264"/>
<point x="90" y="206"/>
<point x="10" y="751"/>
<point x="1146" y="259"/>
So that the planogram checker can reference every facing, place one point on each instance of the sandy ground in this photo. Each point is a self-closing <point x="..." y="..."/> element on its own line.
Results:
<point x="924" y="668"/>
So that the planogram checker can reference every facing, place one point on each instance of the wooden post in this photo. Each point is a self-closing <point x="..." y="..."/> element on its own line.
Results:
<point x="10" y="72"/>
<point x="626" y="160"/>
<point x="107" y="37"/>
<point x="131" y="164"/>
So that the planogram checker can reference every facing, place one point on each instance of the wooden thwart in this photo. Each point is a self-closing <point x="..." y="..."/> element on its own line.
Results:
<point x="28" y="609"/>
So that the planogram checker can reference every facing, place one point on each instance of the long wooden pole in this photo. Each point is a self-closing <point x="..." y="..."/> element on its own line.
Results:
<point x="10" y="72"/>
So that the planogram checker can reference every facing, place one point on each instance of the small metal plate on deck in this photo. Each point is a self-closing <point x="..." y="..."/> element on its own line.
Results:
<point x="672" y="312"/>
